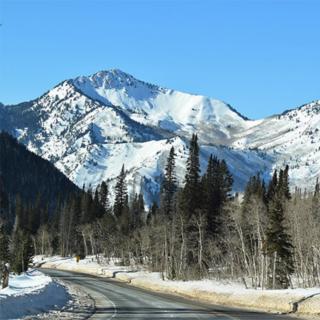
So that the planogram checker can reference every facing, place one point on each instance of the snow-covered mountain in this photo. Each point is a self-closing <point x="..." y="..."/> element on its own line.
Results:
<point x="89" y="126"/>
<point x="171" y="110"/>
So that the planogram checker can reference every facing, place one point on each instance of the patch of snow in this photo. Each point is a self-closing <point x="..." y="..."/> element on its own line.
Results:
<point x="29" y="294"/>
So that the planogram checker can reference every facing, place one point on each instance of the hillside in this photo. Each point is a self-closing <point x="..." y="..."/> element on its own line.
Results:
<point x="30" y="178"/>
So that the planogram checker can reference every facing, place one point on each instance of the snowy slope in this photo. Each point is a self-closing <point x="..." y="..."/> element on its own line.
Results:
<point x="292" y="138"/>
<point x="89" y="126"/>
<point x="29" y="294"/>
<point x="145" y="161"/>
<point x="174" y="111"/>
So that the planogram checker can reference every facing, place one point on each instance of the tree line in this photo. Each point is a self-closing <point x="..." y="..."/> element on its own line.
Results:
<point x="198" y="228"/>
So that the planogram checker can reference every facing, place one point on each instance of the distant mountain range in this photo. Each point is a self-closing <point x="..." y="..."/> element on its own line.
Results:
<point x="89" y="126"/>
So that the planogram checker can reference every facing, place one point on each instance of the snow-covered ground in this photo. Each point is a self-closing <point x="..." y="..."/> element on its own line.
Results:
<point x="31" y="293"/>
<point x="227" y="293"/>
<point x="26" y="283"/>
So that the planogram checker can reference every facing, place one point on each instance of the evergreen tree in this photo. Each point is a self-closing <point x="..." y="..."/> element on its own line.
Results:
<point x="4" y="202"/>
<point x="87" y="208"/>
<point x="22" y="250"/>
<point x="137" y="212"/>
<point x="189" y="204"/>
<point x="44" y="216"/>
<point x="255" y="187"/>
<point x="226" y="182"/>
<point x="284" y="183"/>
<point x="169" y="185"/>
<point x="192" y="187"/>
<point x="104" y="196"/>
<point x="210" y="190"/>
<point x="279" y="247"/>
<point x="152" y="213"/>
<point x="34" y="215"/>
<point x="35" y="181"/>
<point x="216" y="185"/>
<point x="79" y="249"/>
<point x="121" y="194"/>
<point x="121" y="207"/>
<point x="272" y="187"/>
<point x="279" y="243"/>
<point x="4" y="245"/>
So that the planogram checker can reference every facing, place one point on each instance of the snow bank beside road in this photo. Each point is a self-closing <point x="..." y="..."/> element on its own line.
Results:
<point x="31" y="293"/>
<point x="25" y="283"/>
<point x="231" y="294"/>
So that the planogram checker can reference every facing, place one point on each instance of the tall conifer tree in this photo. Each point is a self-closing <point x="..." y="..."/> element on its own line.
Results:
<point x="192" y="188"/>
<point x="169" y="185"/>
<point x="104" y="196"/>
<point x="279" y="243"/>
<point x="121" y="205"/>
<point x="4" y="245"/>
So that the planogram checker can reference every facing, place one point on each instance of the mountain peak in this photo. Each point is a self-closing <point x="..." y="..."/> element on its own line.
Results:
<point x="110" y="79"/>
<point x="114" y="74"/>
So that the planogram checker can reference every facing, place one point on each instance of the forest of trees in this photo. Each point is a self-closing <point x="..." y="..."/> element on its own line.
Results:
<point x="268" y="237"/>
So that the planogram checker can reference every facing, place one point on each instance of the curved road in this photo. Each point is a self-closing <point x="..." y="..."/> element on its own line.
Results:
<point x="117" y="300"/>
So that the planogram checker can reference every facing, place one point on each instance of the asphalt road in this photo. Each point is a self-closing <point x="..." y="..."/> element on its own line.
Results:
<point x="116" y="300"/>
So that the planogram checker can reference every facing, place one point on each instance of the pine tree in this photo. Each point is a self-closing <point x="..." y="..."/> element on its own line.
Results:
<point x="284" y="183"/>
<point x="225" y="182"/>
<point x="74" y="239"/>
<point x="4" y="201"/>
<point x="87" y="207"/>
<point x="210" y="190"/>
<point x="22" y="248"/>
<point x="152" y="213"/>
<point x="22" y="251"/>
<point x="192" y="187"/>
<point x="279" y="243"/>
<point x="216" y="185"/>
<point x="121" y="194"/>
<point x="254" y="187"/>
<point x="4" y="245"/>
<point x="272" y="187"/>
<point x="104" y="196"/>
<point x="189" y="205"/>
<point x="279" y="246"/>
<point x="21" y="221"/>
<point x="121" y="206"/>
<point x="137" y="212"/>
<point x="169" y="185"/>
<point x="34" y="215"/>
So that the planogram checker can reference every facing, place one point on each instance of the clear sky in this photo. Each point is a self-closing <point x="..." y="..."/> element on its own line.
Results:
<point x="260" y="56"/>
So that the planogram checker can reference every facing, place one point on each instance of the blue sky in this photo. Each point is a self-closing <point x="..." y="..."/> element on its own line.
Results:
<point x="261" y="56"/>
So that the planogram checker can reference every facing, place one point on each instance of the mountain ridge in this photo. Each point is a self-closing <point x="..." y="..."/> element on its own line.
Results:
<point x="89" y="126"/>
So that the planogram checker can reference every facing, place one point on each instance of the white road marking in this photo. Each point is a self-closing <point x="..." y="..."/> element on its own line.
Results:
<point x="115" y="311"/>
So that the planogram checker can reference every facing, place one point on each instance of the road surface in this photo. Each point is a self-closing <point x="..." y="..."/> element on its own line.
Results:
<point x="117" y="300"/>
